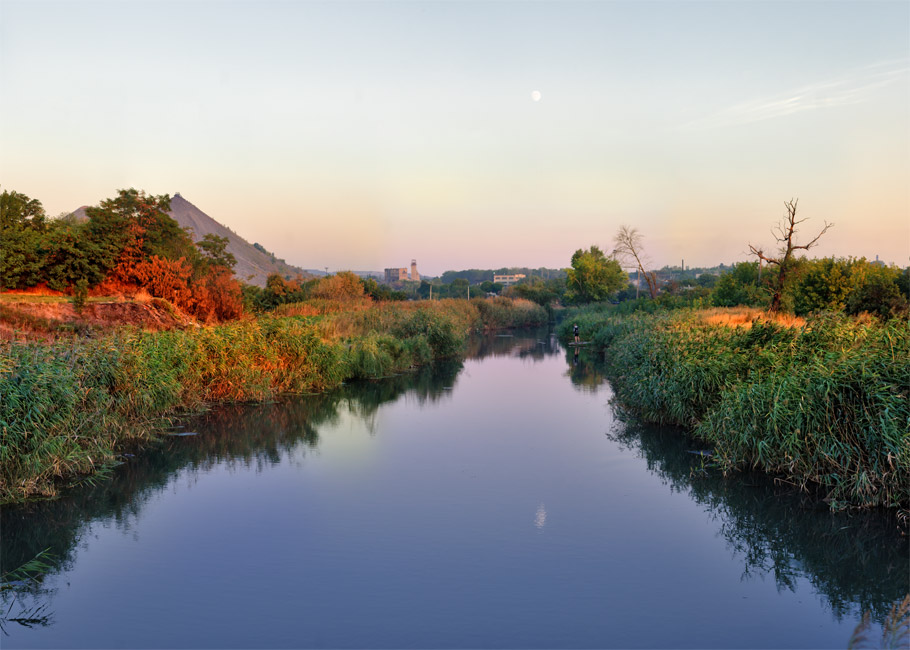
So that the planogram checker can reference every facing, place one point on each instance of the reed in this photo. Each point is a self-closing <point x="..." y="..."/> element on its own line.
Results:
<point x="823" y="402"/>
<point x="68" y="407"/>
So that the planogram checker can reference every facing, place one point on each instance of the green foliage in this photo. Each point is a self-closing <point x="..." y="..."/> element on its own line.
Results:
<point x="23" y="224"/>
<point x="504" y="313"/>
<point x="850" y="285"/>
<point x="214" y="251"/>
<point x="73" y="254"/>
<point x="19" y="211"/>
<point x="824" y="285"/>
<point x="488" y="286"/>
<point x="593" y="277"/>
<point x="133" y="214"/>
<point x="80" y="294"/>
<point x="438" y="328"/>
<point x="478" y="276"/>
<point x="878" y="291"/>
<point x="708" y="280"/>
<point x="542" y="292"/>
<point x="377" y="291"/>
<point x="740" y="286"/>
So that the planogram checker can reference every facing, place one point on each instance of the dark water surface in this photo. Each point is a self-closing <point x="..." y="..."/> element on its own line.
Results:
<point x="494" y="503"/>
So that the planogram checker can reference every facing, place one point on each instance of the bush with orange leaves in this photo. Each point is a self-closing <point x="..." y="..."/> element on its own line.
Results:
<point x="341" y="286"/>
<point x="213" y="296"/>
<point x="164" y="278"/>
<point x="218" y="295"/>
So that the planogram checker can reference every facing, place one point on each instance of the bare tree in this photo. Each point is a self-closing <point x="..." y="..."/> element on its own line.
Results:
<point x="784" y="235"/>
<point x="629" y="249"/>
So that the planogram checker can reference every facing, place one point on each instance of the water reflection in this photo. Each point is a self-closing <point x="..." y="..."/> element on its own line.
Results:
<point x="540" y="518"/>
<point x="248" y="436"/>
<point x="585" y="371"/>
<point x="856" y="561"/>
<point x="534" y="345"/>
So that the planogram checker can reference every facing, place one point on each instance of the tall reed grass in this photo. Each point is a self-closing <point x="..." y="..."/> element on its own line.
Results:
<point x="67" y="407"/>
<point x="826" y="402"/>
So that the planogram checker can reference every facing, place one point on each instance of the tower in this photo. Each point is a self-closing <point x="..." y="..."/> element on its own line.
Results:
<point x="415" y="276"/>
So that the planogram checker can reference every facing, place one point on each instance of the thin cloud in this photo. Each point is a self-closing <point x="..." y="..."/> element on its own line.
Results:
<point x="855" y="87"/>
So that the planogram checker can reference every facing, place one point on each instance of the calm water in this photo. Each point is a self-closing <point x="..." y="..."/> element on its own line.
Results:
<point x="494" y="503"/>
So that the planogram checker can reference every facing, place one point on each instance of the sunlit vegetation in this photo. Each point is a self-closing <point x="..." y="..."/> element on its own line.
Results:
<point x="825" y="400"/>
<point x="69" y="406"/>
<point x="126" y="244"/>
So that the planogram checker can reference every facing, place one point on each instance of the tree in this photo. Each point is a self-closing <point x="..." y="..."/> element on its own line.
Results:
<point x="739" y="286"/>
<point x="785" y="261"/>
<point x="214" y="248"/>
<point x="344" y="285"/>
<point x="593" y="276"/>
<point x="877" y="290"/>
<point x="460" y="288"/>
<point x="543" y="292"/>
<point x="17" y="210"/>
<point x="630" y="248"/>
<point x="23" y="228"/>
<point x="132" y="228"/>
<point x="825" y="284"/>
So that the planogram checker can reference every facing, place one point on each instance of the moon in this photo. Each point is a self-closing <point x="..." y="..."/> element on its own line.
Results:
<point x="535" y="95"/>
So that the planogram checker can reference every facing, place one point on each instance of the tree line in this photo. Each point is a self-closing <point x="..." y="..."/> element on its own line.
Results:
<point x="129" y="242"/>
<point x="781" y="280"/>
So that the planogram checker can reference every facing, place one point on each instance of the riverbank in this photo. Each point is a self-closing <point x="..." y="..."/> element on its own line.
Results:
<point x="68" y="408"/>
<point x="825" y="401"/>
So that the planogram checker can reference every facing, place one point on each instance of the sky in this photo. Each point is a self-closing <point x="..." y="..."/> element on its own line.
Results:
<point x="360" y="135"/>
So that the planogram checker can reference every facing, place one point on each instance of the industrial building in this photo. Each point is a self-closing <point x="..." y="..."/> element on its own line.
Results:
<point x="395" y="275"/>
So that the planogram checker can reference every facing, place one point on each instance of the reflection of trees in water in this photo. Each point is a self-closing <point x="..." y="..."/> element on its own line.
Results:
<point x="535" y="344"/>
<point x="585" y="371"/>
<point x="427" y="385"/>
<point x="239" y="435"/>
<point x="856" y="561"/>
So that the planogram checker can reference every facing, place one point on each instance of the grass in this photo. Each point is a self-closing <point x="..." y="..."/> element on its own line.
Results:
<point x="825" y="401"/>
<point x="67" y="407"/>
<point x="45" y="300"/>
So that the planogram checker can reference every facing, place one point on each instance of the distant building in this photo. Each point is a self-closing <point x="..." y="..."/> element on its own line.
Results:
<point x="508" y="280"/>
<point x="877" y="262"/>
<point x="415" y="276"/>
<point x="396" y="275"/>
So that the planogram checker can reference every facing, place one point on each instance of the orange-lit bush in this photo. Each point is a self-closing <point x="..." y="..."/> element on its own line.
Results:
<point x="341" y="286"/>
<point x="168" y="279"/>
<point x="217" y="295"/>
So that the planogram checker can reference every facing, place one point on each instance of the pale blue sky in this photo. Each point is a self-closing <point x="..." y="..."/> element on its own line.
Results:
<point x="360" y="135"/>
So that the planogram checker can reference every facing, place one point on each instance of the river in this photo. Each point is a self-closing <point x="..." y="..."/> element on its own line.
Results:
<point x="498" y="502"/>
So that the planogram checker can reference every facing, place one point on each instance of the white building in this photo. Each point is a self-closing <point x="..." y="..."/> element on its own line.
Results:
<point x="508" y="280"/>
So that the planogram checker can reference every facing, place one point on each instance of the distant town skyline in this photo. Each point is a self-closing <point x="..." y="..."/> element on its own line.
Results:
<point x="361" y="135"/>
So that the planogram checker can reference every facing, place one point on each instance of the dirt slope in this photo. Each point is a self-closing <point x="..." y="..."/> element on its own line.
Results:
<point x="253" y="265"/>
<point x="35" y="320"/>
